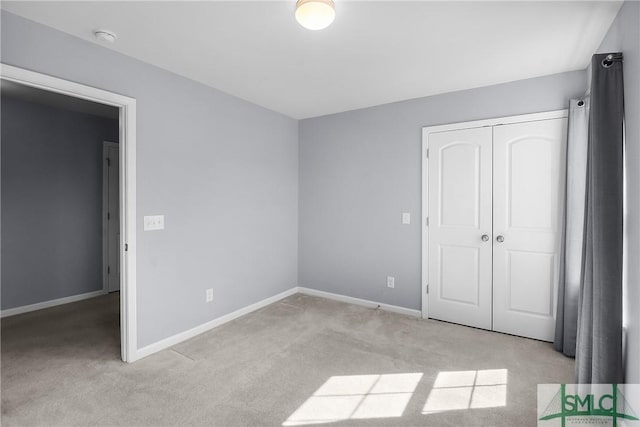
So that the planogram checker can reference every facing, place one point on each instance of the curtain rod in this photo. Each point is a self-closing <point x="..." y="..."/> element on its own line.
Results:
<point x="610" y="59"/>
<point x="607" y="62"/>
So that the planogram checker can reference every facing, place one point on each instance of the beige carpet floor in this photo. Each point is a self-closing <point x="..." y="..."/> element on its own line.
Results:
<point x="303" y="360"/>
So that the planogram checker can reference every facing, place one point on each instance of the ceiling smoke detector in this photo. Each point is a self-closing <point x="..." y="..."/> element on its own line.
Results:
<point x="105" y="36"/>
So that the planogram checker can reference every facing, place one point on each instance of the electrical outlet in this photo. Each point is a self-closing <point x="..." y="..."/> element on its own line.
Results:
<point x="406" y="218"/>
<point x="209" y="295"/>
<point x="391" y="282"/>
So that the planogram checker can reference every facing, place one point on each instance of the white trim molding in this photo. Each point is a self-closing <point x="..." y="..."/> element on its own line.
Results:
<point x="547" y="115"/>
<point x="359" y="301"/>
<point x="426" y="131"/>
<point x="190" y="333"/>
<point x="127" y="107"/>
<point x="48" y="304"/>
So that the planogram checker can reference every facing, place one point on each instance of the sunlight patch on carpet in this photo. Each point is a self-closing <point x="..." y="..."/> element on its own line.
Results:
<point x="459" y="390"/>
<point x="357" y="397"/>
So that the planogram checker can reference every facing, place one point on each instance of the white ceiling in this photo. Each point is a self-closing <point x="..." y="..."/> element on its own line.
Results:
<point x="374" y="53"/>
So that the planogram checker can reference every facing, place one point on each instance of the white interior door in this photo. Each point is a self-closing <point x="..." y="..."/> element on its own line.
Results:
<point x="459" y="216"/>
<point x="113" y="216"/>
<point x="528" y="164"/>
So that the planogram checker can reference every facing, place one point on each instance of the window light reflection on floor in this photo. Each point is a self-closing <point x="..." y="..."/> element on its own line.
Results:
<point x="456" y="390"/>
<point x="357" y="397"/>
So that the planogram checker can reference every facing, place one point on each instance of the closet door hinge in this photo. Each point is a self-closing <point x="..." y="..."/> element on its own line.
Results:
<point x="427" y="153"/>
<point x="427" y="291"/>
<point x="426" y="221"/>
<point x="108" y="162"/>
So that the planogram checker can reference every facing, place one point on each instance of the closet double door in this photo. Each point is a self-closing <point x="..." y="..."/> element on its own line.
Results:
<point x="494" y="200"/>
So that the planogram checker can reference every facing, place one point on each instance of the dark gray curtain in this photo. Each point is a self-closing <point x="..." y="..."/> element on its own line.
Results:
<point x="573" y="227"/>
<point x="599" y="335"/>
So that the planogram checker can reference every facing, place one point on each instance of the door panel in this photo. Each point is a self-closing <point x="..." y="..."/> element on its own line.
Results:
<point x="528" y="164"/>
<point x="459" y="214"/>
<point x="529" y="202"/>
<point x="529" y="272"/>
<point x="459" y="169"/>
<point x="466" y="279"/>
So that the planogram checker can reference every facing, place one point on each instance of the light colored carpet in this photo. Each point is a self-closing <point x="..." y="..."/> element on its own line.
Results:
<point x="299" y="361"/>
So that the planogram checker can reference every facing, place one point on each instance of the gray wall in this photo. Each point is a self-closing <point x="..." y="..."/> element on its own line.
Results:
<point x="624" y="36"/>
<point x="51" y="202"/>
<point x="225" y="174"/>
<point x="223" y="171"/>
<point x="359" y="170"/>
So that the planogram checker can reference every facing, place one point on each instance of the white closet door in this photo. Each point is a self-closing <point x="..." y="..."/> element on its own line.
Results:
<point x="459" y="215"/>
<point x="528" y="164"/>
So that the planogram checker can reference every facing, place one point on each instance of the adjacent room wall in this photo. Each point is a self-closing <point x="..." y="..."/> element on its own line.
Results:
<point x="223" y="171"/>
<point x="360" y="170"/>
<point x="51" y="202"/>
<point x="624" y="36"/>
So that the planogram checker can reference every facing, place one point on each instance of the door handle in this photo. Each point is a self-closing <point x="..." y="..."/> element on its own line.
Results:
<point x="500" y="238"/>
<point x="485" y="237"/>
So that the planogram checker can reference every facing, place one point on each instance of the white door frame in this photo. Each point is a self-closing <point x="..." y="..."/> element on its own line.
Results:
<point x="426" y="131"/>
<point x="105" y="215"/>
<point x="127" y="108"/>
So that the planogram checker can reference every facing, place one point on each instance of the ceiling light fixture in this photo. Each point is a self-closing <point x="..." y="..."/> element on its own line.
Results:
<point x="105" y="36"/>
<point x="315" y="14"/>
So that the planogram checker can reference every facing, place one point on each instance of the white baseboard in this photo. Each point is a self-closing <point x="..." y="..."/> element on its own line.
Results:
<point x="46" y="304"/>
<point x="183" y="336"/>
<point x="358" y="301"/>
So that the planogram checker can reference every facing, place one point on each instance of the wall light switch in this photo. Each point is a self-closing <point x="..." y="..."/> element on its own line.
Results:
<point x="154" y="222"/>
<point x="391" y="282"/>
<point x="406" y="218"/>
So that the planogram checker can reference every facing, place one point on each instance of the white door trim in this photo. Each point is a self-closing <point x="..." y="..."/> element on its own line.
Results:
<point x="426" y="131"/>
<point x="105" y="212"/>
<point x="127" y="107"/>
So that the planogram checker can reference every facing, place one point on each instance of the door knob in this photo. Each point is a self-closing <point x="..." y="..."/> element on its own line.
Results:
<point x="485" y="238"/>
<point x="500" y="239"/>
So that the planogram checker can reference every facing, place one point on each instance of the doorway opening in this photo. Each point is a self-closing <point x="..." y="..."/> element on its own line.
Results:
<point x="114" y="230"/>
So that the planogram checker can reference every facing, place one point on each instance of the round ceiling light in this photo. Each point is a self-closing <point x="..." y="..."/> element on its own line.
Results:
<point x="315" y="14"/>
<point x="105" y="35"/>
